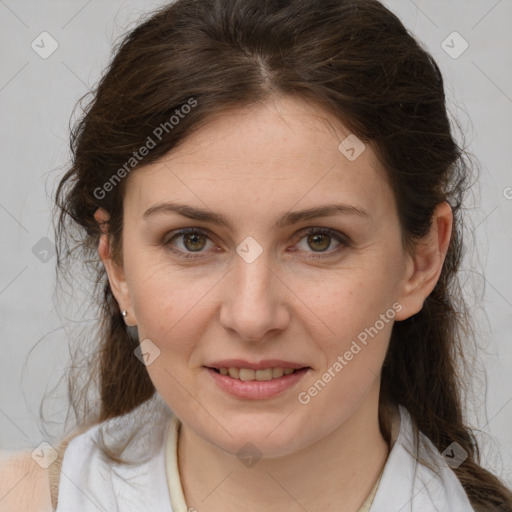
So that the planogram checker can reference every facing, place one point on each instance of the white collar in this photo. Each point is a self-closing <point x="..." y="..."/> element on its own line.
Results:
<point x="89" y="483"/>
<point x="406" y="485"/>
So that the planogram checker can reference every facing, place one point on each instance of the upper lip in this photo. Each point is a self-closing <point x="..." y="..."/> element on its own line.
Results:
<point x="261" y="365"/>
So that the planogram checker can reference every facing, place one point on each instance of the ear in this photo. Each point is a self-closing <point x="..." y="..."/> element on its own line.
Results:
<point x="424" y="266"/>
<point x="115" y="272"/>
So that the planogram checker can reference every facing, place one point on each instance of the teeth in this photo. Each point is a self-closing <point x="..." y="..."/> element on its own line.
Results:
<point x="277" y="372"/>
<point x="247" y="374"/>
<point x="234" y="372"/>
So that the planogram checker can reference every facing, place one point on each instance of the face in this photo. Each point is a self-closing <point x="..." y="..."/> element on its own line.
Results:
<point x="265" y="288"/>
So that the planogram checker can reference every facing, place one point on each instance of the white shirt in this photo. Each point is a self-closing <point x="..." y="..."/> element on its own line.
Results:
<point x="90" y="484"/>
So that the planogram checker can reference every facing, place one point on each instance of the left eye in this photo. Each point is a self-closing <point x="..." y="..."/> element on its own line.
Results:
<point x="320" y="239"/>
<point x="194" y="240"/>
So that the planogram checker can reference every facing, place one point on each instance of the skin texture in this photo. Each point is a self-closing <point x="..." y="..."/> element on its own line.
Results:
<point x="24" y="485"/>
<point x="254" y="165"/>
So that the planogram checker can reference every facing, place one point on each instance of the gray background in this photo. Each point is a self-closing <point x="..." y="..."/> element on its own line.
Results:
<point x="37" y="97"/>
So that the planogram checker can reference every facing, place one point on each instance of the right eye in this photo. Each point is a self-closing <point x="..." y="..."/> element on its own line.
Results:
<point x="193" y="240"/>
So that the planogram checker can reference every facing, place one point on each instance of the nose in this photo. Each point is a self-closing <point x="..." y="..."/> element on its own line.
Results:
<point x="253" y="300"/>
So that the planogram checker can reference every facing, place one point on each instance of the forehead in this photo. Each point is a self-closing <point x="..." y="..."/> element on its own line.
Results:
<point x="281" y="151"/>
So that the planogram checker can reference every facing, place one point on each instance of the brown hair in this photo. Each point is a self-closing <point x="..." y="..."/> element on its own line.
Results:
<point x="355" y="59"/>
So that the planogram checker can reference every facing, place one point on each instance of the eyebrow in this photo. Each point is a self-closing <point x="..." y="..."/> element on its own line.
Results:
<point x="288" y="219"/>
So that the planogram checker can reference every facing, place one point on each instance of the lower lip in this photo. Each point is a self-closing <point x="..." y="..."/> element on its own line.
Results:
<point x="255" y="389"/>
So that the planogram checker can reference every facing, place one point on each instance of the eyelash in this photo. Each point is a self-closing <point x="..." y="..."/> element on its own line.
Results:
<point x="343" y="240"/>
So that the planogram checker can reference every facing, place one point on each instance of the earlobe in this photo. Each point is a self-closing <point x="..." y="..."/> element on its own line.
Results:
<point x="423" y="268"/>
<point x="115" y="272"/>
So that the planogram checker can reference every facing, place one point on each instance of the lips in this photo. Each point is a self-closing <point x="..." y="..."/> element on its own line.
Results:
<point x="255" y="389"/>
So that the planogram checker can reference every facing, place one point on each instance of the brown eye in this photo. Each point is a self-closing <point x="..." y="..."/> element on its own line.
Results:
<point x="194" y="241"/>
<point x="186" y="242"/>
<point x="319" y="241"/>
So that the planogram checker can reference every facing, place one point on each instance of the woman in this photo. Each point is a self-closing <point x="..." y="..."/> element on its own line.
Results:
<point x="274" y="192"/>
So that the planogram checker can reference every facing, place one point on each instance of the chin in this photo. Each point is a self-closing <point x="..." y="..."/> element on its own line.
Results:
<point x="261" y="441"/>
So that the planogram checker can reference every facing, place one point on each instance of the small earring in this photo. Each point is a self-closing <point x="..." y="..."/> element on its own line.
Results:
<point x="124" y="313"/>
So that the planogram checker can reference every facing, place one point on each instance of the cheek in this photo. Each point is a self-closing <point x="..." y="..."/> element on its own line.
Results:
<point x="348" y="303"/>
<point x="353" y="349"/>
<point x="355" y="318"/>
<point x="173" y="309"/>
<point x="159" y="294"/>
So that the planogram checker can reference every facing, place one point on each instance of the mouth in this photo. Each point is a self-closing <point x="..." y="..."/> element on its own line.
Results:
<point x="262" y="375"/>
<point x="265" y="382"/>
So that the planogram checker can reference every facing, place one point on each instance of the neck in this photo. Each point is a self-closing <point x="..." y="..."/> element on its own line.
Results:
<point x="334" y="474"/>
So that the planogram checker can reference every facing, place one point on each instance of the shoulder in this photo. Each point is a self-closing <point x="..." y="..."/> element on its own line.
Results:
<point x="24" y="484"/>
<point x="29" y="484"/>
